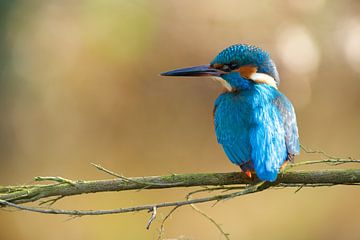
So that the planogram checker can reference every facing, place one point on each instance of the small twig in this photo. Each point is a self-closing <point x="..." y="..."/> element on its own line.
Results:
<point x="220" y="188"/>
<point x="70" y="218"/>
<point x="326" y="161"/>
<point x="161" y="229"/>
<point x="226" y="235"/>
<point x="51" y="201"/>
<point x="152" y="218"/>
<point x="257" y="187"/>
<point x="308" y="150"/>
<point x="116" y="175"/>
<point x="147" y="184"/>
<point x="55" y="179"/>
<point x="299" y="188"/>
<point x="282" y="186"/>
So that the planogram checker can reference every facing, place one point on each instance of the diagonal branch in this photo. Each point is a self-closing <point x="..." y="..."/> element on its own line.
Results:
<point x="253" y="188"/>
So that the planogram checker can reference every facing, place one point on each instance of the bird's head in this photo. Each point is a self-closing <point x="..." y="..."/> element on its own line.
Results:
<point x="236" y="67"/>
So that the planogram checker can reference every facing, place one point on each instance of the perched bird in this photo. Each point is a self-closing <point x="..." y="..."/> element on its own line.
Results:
<point x="254" y="122"/>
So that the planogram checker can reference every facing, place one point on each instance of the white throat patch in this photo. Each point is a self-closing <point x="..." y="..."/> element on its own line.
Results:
<point x="224" y="83"/>
<point x="263" y="78"/>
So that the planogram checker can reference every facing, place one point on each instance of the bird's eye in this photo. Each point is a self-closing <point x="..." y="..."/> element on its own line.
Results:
<point x="233" y="66"/>
<point x="225" y="68"/>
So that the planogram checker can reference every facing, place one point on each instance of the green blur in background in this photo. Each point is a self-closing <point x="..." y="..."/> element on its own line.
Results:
<point x="79" y="83"/>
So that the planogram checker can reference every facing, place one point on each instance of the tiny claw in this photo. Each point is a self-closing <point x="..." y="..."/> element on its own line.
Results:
<point x="283" y="166"/>
<point x="248" y="173"/>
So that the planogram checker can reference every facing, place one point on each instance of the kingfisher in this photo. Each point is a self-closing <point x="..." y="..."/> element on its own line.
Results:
<point x="254" y="122"/>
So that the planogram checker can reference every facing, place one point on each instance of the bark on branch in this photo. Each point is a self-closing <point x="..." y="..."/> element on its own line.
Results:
<point x="64" y="187"/>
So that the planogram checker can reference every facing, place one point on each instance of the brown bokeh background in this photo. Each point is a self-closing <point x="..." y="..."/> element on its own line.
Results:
<point x="79" y="83"/>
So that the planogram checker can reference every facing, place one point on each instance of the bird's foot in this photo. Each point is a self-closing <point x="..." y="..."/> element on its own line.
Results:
<point x="291" y="158"/>
<point x="283" y="166"/>
<point x="248" y="173"/>
<point x="247" y="168"/>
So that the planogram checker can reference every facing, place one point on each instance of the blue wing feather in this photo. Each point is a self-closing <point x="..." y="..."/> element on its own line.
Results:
<point x="232" y="129"/>
<point x="289" y="122"/>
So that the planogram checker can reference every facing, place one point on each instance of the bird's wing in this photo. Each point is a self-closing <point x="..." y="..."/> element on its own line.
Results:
<point x="267" y="140"/>
<point x="232" y="130"/>
<point x="289" y="122"/>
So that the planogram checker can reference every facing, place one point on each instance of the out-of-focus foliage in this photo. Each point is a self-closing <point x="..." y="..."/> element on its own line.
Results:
<point x="79" y="83"/>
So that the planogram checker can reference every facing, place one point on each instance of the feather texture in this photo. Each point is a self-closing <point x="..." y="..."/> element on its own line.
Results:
<point x="256" y="124"/>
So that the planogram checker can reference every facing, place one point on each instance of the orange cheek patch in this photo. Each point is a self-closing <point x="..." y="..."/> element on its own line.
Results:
<point x="247" y="71"/>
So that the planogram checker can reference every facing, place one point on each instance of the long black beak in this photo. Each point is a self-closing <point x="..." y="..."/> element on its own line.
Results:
<point x="197" y="71"/>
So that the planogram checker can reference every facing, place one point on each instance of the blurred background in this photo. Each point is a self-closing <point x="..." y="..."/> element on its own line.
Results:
<point x="79" y="83"/>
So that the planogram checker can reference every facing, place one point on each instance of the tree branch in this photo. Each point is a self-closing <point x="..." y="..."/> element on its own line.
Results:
<point x="236" y="183"/>
<point x="64" y="187"/>
<point x="254" y="188"/>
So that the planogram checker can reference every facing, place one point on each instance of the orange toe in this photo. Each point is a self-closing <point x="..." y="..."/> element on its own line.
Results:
<point x="248" y="173"/>
<point x="283" y="166"/>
